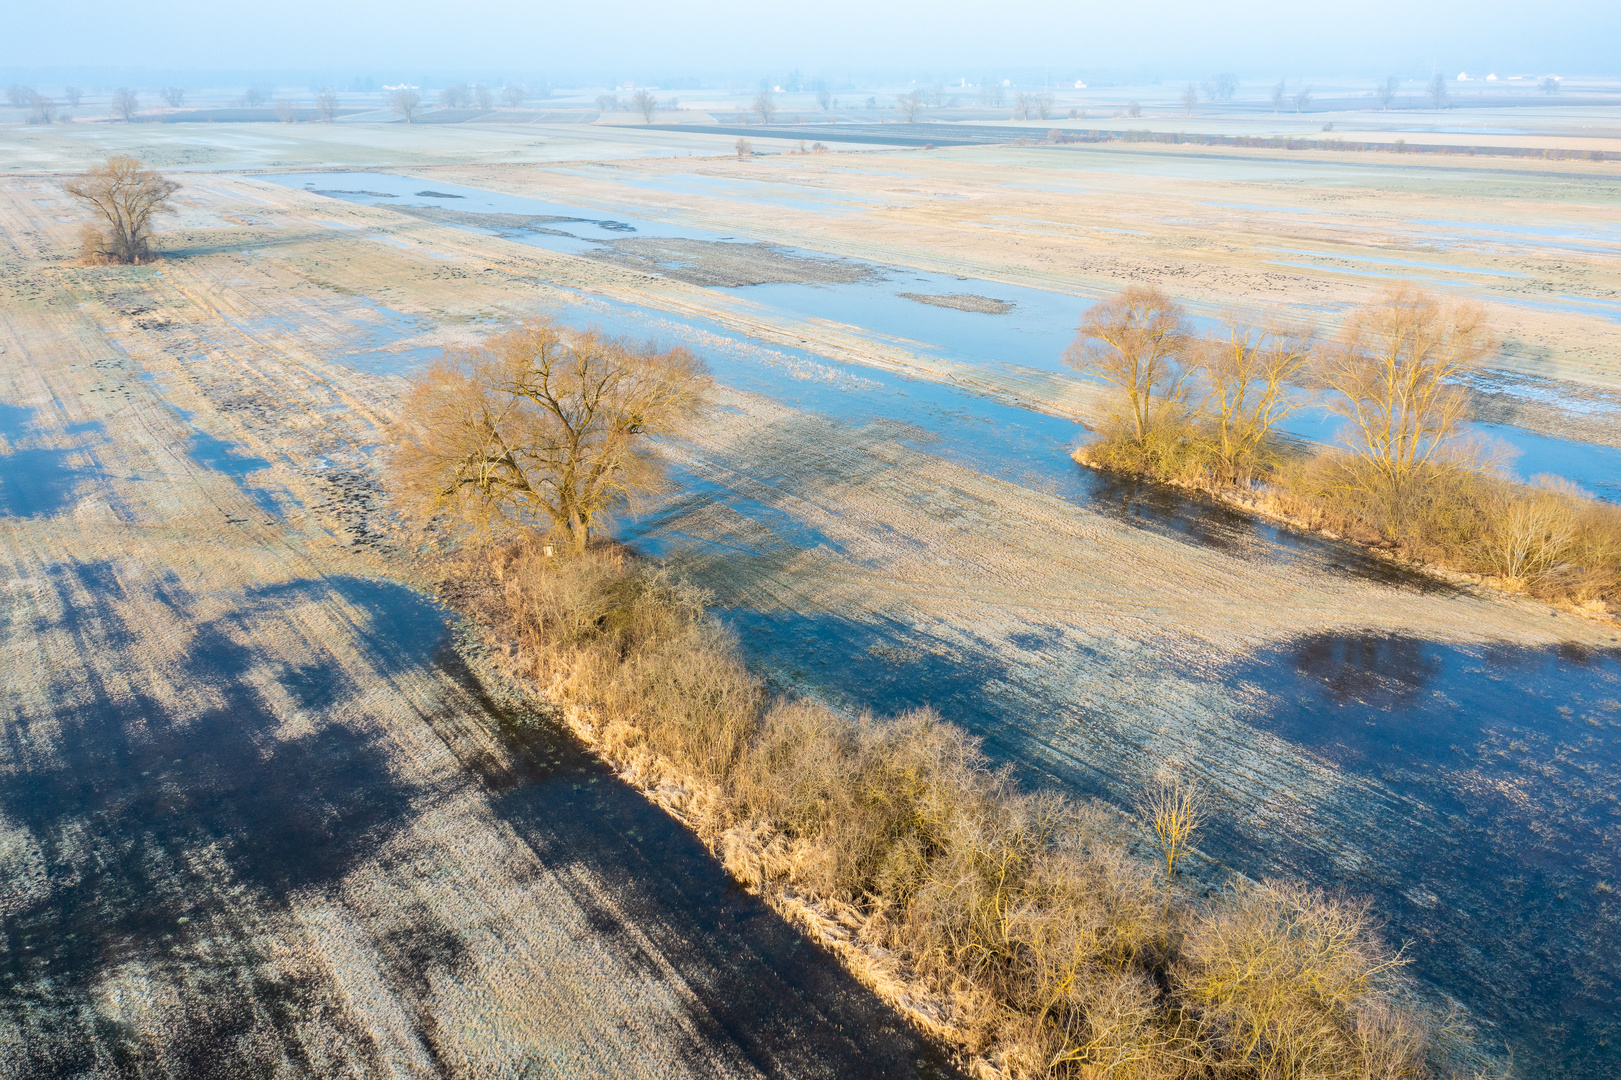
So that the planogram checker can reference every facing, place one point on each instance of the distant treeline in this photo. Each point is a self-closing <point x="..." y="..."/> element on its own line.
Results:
<point x="1280" y="142"/>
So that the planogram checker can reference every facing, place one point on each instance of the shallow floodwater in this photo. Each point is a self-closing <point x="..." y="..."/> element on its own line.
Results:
<point x="1033" y="332"/>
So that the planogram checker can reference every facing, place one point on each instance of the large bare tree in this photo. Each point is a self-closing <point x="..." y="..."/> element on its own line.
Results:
<point x="404" y="102"/>
<point x="173" y="96"/>
<point x="513" y="94"/>
<point x="910" y="106"/>
<point x="125" y="104"/>
<point x="1394" y="372"/>
<point x="1386" y="92"/>
<point x="1134" y="341"/>
<point x="125" y="198"/>
<point x="645" y="104"/>
<point x="326" y="105"/>
<point x="541" y="427"/>
<point x="1221" y="87"/>
<point x="42" y="110"/>
<point x="71" y="95"/>
<point x="765" y="105"/>
<point x="1438" y="90"/>
<point x="1190" y="98"/>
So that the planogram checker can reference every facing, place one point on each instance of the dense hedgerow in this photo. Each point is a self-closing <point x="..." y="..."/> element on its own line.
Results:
<point x="1060" y="953"/>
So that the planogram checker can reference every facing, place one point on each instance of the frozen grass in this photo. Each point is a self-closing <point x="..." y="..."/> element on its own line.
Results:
<point x="1009" y="922"/>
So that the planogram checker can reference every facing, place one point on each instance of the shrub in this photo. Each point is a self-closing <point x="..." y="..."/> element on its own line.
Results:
<point x="1287" y="982"/>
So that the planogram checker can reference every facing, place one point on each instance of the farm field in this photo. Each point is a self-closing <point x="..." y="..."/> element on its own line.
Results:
<point x="257" y="797"/>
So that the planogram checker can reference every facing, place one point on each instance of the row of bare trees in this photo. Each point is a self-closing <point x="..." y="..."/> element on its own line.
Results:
<point x="1391" y="373"/>
<point x="1205" y="409"/>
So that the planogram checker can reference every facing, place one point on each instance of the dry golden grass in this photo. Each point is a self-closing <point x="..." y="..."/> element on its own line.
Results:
<point x="1006" y="921"/>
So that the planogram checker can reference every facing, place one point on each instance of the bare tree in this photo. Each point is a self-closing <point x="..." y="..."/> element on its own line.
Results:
<point x="458" y="96"/>
<point x="1248" y="372"/>
<point x="1221" y="87"/>
<point x="1175" y="809"/>
<point x="539" y="427"/>
<point x="823" y="98"/>
<point x="1190" y="98"/>
<point x="1549" y="85"/>
<point x="910" y="106"/>
<point x="483" y="98"/>
<point x="513" y="95"/>
<point x="1044" y="106"/>
<point x="1133" y="109"/>
<point x="125" y="198"/>
<point x="1279" y="92"/>
<point x="765" y="105"/>
<point x="253" y="97"/>
<point x="173" y="96"/>
<point x="71" y="95"/>
<point x="1302" y="98"/>
<point x="286" y="110"/>
<point x="1438" y="90"/>
<point x="19" y="95"/>
<point x="1393" y="373"/>
<point x="404" y="103"/>
<point x="42" y="110"/>
<point x="607" y="103"/>
<point x="644" y="103"/>
<point x="1133" y="341"/>
<point x="125" y="104"/>
<point x="326" y="105"/>
<point x="1386" y="92"/>
<point x="1531" y="532"/>
<point x="991" y="94"/>
<point x="1024" y="104"/>
<point x="744" y="148"/>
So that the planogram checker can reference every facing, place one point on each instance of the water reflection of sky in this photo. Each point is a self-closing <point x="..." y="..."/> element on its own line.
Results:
<point x="1033" y="334"/>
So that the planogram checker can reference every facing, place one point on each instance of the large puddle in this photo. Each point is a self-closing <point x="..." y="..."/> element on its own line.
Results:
<point x="1482" y="781"/>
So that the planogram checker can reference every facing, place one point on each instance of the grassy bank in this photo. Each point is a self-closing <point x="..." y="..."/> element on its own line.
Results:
<point x="1010" y="923"/>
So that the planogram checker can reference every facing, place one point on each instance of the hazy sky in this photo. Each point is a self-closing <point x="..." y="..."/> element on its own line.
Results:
<point x="631" y="38"/>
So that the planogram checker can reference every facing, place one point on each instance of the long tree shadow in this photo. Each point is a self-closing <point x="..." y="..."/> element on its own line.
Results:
<point x="172" y="843"/>
<point x="766" y="995"/>
<point x="1495" y="852"/>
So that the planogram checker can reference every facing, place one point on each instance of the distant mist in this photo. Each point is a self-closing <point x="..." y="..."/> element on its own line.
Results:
<point x="729" y="41"/>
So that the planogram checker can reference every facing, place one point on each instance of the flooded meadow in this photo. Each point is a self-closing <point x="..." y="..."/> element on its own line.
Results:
<point x="263" y="796"/>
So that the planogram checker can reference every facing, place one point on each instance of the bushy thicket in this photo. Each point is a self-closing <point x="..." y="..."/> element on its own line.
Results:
<point x="1545" y="538"/>
<point x="1059" y="953"/>
<point x="1203" y="412"/>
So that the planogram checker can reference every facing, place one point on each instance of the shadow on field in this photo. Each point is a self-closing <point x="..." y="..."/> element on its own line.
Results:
<point x="170" y="844"/>
<point x="781" y="1003"/>
<point x="171" y="839"/>
<point x="1494" y="828"/>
